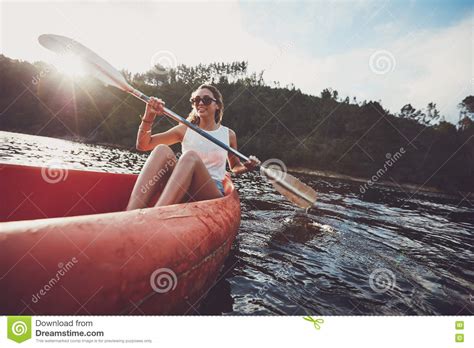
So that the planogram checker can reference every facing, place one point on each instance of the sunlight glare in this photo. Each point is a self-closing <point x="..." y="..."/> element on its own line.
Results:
<point x="70" y="65"/>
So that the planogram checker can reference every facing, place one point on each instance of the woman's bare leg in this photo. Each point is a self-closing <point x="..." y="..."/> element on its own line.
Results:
<point x="189" y="176"/>
<point x="156" y="171"/>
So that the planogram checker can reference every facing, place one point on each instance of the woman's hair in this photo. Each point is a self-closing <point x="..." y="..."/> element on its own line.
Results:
<point x="194" y="117"/>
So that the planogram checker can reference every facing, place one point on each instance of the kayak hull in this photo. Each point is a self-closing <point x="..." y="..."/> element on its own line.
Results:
<point x="149" y="261"/>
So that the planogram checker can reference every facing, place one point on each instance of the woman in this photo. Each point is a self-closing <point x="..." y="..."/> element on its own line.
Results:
<point x="201" y="168"/>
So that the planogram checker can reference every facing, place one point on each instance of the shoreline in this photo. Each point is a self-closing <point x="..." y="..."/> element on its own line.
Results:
<point x="411" y="188"/>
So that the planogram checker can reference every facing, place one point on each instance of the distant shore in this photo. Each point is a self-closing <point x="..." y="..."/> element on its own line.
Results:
<point x="409" y="188"/>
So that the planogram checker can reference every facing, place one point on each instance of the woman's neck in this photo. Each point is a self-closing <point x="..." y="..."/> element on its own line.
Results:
<point x="208" y="125"/>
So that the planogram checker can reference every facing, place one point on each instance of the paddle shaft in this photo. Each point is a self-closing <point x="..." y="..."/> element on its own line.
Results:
<point x="289" y="183"/>
<point x="180" y="119"/>
<point x="195" y="128"/>
<point x="143" y="97"/>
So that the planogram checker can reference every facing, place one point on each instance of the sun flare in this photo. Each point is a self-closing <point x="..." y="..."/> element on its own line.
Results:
<point x="70" y="65"/>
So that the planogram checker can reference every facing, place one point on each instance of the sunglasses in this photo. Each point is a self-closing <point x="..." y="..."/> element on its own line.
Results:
<point x="206" y="100"/>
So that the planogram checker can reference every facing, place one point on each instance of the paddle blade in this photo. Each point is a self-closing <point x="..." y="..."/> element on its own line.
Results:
<point x="294" y="190"/>
<point x="94" y="64"/>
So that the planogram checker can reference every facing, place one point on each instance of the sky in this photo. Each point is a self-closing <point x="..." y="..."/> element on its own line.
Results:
<point x="394" y="51"/>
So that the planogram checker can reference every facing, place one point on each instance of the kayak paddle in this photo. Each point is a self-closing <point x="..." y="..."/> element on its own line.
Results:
<point x="289" y="186"/>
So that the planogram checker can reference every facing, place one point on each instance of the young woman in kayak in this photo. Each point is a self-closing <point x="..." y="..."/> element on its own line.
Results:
<point x="202" y="166"/>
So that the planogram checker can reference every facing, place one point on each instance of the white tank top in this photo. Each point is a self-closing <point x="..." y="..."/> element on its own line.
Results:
<point x="213" y="156"/>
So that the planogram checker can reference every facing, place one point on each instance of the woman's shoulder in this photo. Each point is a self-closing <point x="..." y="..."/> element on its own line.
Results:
<point x="181" y="130"/>
<point x="232" y="136"/>
<point x="231" y="132"/>
<point x="181" y="127"/>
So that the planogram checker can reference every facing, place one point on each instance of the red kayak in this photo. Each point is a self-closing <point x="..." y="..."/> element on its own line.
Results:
<point x="68" y="247"/>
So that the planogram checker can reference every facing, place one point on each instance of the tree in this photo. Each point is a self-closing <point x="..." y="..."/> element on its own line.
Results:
<point x="466" y="113"/>
<point x="465" y="124"/>
<point x="409" y="112"/>
<point x="329" y="93"/>
<point x="428" y="118"/>
<point x="326" y="94"/>
<point x="432" y="114"/>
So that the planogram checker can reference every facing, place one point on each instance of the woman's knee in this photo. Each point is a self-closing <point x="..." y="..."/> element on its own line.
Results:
<point x="163" y="150"/>
<point x="189" y="157"/>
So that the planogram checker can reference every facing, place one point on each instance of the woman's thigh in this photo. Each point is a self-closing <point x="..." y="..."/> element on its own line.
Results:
<point x="202" y="185"/>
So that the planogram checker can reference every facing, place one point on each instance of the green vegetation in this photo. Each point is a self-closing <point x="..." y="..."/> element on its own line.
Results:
<point x="324" y="133"/>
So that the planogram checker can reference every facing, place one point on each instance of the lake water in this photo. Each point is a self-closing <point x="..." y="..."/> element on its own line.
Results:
<point x="384" y="252"/>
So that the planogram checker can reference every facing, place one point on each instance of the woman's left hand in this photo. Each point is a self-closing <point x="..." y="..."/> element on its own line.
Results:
<point x="254" y="162"/>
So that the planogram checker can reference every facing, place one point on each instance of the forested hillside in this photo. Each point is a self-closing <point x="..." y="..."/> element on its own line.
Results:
<point x="325" y="132"/>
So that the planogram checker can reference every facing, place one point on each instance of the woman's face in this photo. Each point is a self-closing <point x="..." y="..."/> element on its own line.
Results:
<point x="205" y="110"/>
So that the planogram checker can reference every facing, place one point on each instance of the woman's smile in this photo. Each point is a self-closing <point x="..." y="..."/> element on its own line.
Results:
<point x="202" y="109"/>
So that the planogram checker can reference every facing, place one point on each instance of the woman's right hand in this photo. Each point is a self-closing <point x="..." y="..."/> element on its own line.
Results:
<point x="154" y="107"/>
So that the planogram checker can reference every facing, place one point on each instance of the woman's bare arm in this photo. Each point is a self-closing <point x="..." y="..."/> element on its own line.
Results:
<point x="147" y="142"/>
<point x="236" y="166"/>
